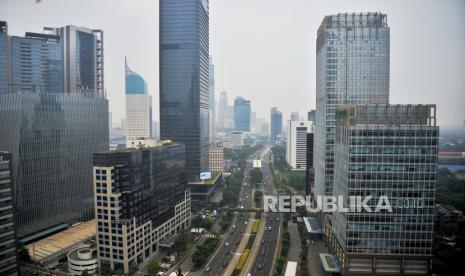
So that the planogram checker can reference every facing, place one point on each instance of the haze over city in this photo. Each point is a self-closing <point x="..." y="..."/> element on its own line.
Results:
<point x="264" y="50"/>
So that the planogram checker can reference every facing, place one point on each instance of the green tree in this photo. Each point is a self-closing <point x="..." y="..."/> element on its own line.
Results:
<point x="182" y="240"/>
<point x="154" y="267"/>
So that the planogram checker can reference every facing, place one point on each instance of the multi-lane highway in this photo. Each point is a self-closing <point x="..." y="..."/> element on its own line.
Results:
<point x="264" y="261"/>
<point x="228" y="248"/>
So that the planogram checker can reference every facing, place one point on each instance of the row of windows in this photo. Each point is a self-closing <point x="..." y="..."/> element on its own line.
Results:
<point x="392" y="150"/>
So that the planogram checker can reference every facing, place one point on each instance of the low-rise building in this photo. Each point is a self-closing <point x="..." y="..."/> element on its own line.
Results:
<point x="82" y="258"/>
<point x="206" y="190"/>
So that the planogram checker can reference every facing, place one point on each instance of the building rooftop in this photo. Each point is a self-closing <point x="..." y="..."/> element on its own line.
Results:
<point x="312" y="225"/>
<point x="330" y="263"/>
<point x="51" y="247"/>
<point x="391" y="114"/>
<point x="211" y="181"/>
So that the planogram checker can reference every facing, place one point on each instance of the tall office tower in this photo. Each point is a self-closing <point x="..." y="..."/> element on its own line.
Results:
<point x="309" y="170"/>
<point x="253" y="122"/>
<point x="141" y="202"/>
<point x="51" y="133"/>
<point x="155" y="133"/>
<point x="386" y="150"/>
<point x="4" y="79"/>
<point x="184" y="76"/>
<point x="222" y="109"/>
<point x="311" y="116"/>
<point x="242" y="115"/>
<point x="296" y="146"/>
<point x="294" y="116"/>
<point x="276" y="122"/>
<point x="138" y="106"/>
<point x="35" y="64"/>
<point x="229" y="119"/>
<point x="8" y="250"/>
<point x="82" y="51"/>
<point x="352" y="67"/>
<point x="212" y="103"/>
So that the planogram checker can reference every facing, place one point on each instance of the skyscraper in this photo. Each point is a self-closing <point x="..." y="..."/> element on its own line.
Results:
<point x="296" y="144"/>
<point x="212" y="103"/>
<point x="386" y="150"/>
<point x="276" y="122"/>
<point x="294" y="116"/>
<point x="222" y="109"/>
<point x="184" y="77"/>
<point x="138" y="106"/>
<point x="8" y="250"/>
<point x="82" y="51"/>
<point x="33" y="63"/>
<point x="141" y="201"/>
<point x="352" y="67"/>
<point x="311" y="116"/>
<point x="51" y="133"/>
<point x="242" y="112"/>
<point x="4" y="66"/>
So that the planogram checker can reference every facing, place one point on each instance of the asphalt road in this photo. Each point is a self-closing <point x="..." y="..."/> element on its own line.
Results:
<point x="263" y="264"/>
<point x="219" y="262"/>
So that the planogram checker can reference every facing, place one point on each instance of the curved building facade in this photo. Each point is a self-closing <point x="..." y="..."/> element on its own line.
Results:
<point x="81" y="259"/>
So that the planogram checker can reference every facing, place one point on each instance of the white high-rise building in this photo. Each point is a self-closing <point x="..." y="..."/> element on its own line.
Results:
<point x="138" y="107"/>
<point x="296" y="146"/>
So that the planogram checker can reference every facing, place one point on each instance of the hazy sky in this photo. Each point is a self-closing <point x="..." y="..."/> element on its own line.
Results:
<point x="264" y="50"/>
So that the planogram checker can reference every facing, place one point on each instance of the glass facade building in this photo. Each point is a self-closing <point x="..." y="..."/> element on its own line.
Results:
<point x="52" y="138"/>
<point x="212" y="102"/>
<point x="82" y="54"/>
<point x="386" y="150"/>
<point x="50" y="127"/>
<point x="276" y="123"/>
<point x="184" y="78"/>
<point x="352" y="67"/>
<point x="242" y="114"/>
<point x="4" y="57"/>
<point x="222" y="110"/>
<point x="141" y="201"/>
<point x="36" y="64"/>
<point x="8" y="248"/>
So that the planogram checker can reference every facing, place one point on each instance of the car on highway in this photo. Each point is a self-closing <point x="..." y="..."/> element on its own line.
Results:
<point x="208" y="269"/>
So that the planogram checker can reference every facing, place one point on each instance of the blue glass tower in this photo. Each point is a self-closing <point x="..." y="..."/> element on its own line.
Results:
<point x="135" y="84"/>
<point x="241" y="114"/>
<point x="184" y="78"/>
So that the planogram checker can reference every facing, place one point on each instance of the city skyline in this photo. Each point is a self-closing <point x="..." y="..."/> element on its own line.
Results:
<point x="257" y="137"/>
<point x="295" y="25"/>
